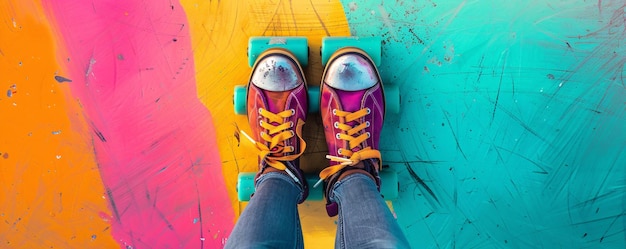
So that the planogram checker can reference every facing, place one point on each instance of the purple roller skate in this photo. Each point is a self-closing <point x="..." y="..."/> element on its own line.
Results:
<point x="352" y="107"/>
<point x="277" y="104"/>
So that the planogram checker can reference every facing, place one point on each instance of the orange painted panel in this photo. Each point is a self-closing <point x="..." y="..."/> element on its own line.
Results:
<point x="51" y="195"/>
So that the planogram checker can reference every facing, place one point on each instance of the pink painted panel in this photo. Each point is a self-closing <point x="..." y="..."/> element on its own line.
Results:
<point x="131" y="66"/>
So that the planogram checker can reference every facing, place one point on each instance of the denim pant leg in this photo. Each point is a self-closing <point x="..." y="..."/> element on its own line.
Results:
<point x="365" y="221"/>
<point x="271" y="218"/>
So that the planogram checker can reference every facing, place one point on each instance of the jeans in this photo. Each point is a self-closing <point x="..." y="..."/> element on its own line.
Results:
<point x="271" y="218"/>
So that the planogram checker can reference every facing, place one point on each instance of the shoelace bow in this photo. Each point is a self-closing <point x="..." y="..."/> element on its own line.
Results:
<point x="350" y="158"/>
<point x="276" y="152"/>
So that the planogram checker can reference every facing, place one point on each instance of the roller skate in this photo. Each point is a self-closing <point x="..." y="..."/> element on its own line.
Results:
<point x="352" y="106"/>
<point x="276" y="104"/>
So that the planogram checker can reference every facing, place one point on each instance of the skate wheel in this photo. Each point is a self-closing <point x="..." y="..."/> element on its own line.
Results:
<point x="371" y="46"/>
<point x="298" y="46"/>
<point x="392" y="99"/>
<point x="389" y="184"/>
<point x="239" y="100"/>
<point x="245" y="185"/>
<point x="314" y="99"/>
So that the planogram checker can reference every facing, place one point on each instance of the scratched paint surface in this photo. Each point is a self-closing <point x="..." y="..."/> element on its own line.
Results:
<point x="117" y="124"/>
<point x="512" y="126"/>
<point x="133" y="71"/>
<point x="50" y="188"/>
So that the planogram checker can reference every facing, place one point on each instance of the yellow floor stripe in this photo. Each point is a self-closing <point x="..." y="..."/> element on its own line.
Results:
<point x="220" y="31"/>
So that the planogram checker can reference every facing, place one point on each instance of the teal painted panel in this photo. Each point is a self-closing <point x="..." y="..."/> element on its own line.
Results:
<point x="512" y="132"/>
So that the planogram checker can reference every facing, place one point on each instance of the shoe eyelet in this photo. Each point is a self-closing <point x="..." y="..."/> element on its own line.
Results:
<point x="336" y="124"/>
<point x="292" y="133"/>
<point x="369" y="111"/>
<point x="262" y="133"/>
<point x="335" y="112"/>
<point x="290" y="124"/>
<point x="367" y="123"/>
<point x="261" y="122"/>
<point x="339" y="151"/>
<point x="291" y="148"/>
<point x="260" y="110"/>
<point x="368" y="135"/>
<point x="338" y="136"/>
<point x="293" y="112"/>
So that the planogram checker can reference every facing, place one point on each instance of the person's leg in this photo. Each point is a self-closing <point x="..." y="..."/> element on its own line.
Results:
<point x="365" y="221"/>
<point x="271" y="218"/>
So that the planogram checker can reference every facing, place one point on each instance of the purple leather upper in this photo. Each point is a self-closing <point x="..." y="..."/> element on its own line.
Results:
<point x="278" y="84"/>
<point x="366" y="92"/>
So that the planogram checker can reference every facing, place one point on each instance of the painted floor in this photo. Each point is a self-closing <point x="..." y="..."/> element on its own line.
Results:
<point x="117" y="128"/>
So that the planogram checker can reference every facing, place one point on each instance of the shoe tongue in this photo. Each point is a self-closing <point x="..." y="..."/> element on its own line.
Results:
<point x="350" y="100"/>
<point x="276" y="102"/>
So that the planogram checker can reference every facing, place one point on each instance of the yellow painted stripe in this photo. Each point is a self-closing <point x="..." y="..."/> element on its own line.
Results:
<point x="220" y="32"/>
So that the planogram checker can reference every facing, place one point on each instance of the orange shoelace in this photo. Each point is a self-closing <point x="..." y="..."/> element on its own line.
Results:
<point x="273" y="150"/>
<point x="355" y="138"/>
